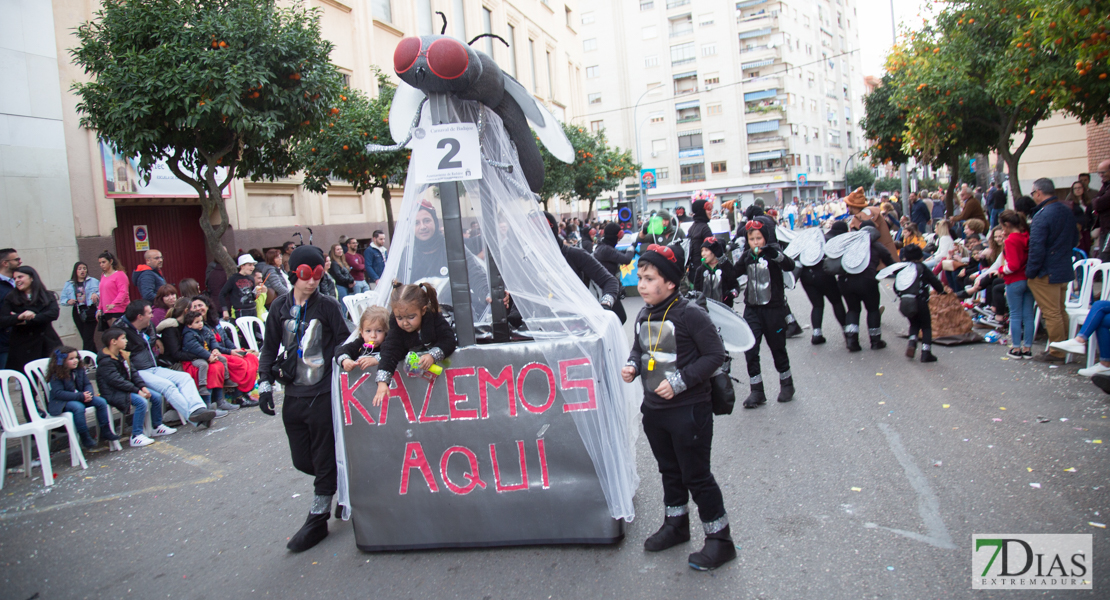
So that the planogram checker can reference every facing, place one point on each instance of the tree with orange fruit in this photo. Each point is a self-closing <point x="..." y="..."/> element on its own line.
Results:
<point x="1075" y="36"/>
<point x="204" y="85"/>
<point x="337" y="150"/>
<point x="597" y="168"/>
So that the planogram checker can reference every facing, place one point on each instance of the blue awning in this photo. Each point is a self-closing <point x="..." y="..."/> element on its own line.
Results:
<point x="758" y="63"/>
<point x="691" y="161"/>
<point x="686" y="74"/>
<point x="688" y="104"/>
<point x="749" y="3"/>
<point x="768" y="155"/>
<point x="760" y="95"/>
<point x="757" y="33"/>
<point x="763" y="126"/>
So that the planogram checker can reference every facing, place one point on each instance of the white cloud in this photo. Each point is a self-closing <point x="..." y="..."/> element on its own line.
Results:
<point x="874" y="28"/>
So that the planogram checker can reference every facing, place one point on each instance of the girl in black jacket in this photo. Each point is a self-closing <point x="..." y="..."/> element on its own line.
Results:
<point x="766" y="310"/>
<point x="415" y="326"/>
<point x="70" y="391"/>
<point x="30" y="311"/>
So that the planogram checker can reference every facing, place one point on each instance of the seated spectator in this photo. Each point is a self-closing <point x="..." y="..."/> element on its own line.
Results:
<point x="122" y="385"/>
<point x="177" y="387"/>
<point x="71" y="391"/>
<point x="911" y="236"/>
<point x="1097" y="324"/>
<point x="164" y="300"/>
<point x="188" y="288"/>
<point x="272" y="274"/>
<point x="199" y="344"/>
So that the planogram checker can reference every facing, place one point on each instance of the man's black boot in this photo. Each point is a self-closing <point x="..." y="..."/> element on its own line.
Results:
<point x="675" y="531"/>
<point x="718" y="550"/>
<point x="314" y="530"/>
<point x="757" y="397"/>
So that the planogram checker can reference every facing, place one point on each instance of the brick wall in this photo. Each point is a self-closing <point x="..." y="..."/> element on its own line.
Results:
<point x="1098" y="144"/>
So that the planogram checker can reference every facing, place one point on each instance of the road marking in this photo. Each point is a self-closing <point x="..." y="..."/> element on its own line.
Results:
<point x="196" y="460"/>
<point x="928" y="506"/>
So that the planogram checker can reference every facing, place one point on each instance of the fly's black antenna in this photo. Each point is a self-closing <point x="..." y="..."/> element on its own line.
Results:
<point x="443" y="30"/>
<point x="492" y="35"/>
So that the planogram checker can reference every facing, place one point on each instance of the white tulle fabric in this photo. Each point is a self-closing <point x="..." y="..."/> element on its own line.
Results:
<point x="551" y="298"/>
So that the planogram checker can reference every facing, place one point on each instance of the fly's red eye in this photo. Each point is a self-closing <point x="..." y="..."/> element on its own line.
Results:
<point x="404" y="57"/>
<point x="447" y="58"/>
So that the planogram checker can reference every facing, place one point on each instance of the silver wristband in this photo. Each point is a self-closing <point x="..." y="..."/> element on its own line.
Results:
<point x="383" y="376"/>
<point x="264" y="387"/>
<point x="677" y="384"/>
<point x="437" y="354"/>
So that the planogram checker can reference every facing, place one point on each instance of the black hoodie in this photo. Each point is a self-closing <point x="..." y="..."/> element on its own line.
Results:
<point x="699" y="231"/>
<point x="770" y="258"/>
<point x="695" y="344"/>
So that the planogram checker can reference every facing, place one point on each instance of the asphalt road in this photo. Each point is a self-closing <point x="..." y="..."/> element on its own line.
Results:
<point x="869" y="485"/>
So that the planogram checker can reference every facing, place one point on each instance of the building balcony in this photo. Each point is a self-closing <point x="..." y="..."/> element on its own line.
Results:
<point x="756" y="22"/>
<point x="763" y="83"/>
<point x="676" y="3"/>
<point x="758" y="53"/>
<point x="688" y="119"/>
<point x="681" y="32"/>
<point x="684" y="61"/>
<point x="765" y="170"/>
<point x="760" y="143"/>
<point x="685" y="91"/>
<point x="774" y="110"/>
<point x="693" y="178"/>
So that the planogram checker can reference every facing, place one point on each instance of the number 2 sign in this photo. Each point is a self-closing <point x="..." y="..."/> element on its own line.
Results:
<point x="448" y="152"/>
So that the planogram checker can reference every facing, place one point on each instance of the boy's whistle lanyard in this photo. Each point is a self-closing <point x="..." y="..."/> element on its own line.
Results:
<point x="659" y="337"/>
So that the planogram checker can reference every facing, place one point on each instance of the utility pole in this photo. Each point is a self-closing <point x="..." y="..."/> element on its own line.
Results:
<point x="902" y="169"/>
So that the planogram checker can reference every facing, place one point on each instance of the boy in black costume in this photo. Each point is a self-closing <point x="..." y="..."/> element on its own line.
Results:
<point x="862" y="289"/>
<point x="765" y="306"/>
<point x="676" y="349"/>
<point x="715" y="277"/>
<point x="920" y="319"/>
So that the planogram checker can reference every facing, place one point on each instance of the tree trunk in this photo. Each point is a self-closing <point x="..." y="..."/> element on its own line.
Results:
<point x="982" y="171"/>
<point x="1012" y="169"/>
<point x="589" y="209"/>
<point x="210" y="193"/>
<point x="953" y="182"/>
<point x="387" y="198"/>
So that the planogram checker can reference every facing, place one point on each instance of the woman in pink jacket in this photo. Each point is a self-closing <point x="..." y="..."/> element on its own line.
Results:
<point x="115" y="293"/>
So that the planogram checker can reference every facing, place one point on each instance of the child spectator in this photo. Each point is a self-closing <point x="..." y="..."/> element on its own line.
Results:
<point x="199" y="343"/>
<point x="410" y="331"/>
<point x="676" y="349"/>
<point x="715" y="277"/>
<point x="764" y="263"/>
<point x="238" y="294"/>
<point x="71" y="391"/>
<point x="365" y="351"/>
<point x="915" y="303"/>
<point x="1019" y="298"/>
<point x="122" y="385"/>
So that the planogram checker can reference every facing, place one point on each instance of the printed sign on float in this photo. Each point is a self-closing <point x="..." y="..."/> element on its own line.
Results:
<point x="448" y="152"/>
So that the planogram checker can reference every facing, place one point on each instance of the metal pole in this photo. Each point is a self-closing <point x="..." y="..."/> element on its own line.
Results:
<point x="902" y="170"/>
<point x="453" y="236"/>
<point x="642" y="201"/>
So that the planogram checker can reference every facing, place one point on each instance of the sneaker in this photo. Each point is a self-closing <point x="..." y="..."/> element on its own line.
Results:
<point x="1097" y="369"/>
<point x="1027" y="354"/>
<point x="1048" y="357"/>
<point x="986" y="312"/>
<point x="220" y="413"/>
<point x="226" y="406"/>
<point x="248" y="403"/>
<point x="1015" y="353"/>
<point x="138" y="441"/>
<point x="162" y="430"/>
<point x="992" y="322"/>
<point x="1072" y="346"/>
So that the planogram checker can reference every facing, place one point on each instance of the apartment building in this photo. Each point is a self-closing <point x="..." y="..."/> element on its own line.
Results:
<point x="68" y="198"/>
<point x="758" y="98"/>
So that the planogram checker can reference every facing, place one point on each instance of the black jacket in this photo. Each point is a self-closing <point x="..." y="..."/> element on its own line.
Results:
<point x="434" y="332"/>
<point x="697" y="347"/>
<point x="928" y="279"/>
<point x="354" y="350"/>
<point x="139" y="344"/>
<point x="173" y="346"/>
<point x="612" y="259"/>
<point x="238" y="293"/>
<point x="29" y="340"/>
<point x="730" y="288"/>
<point x="117" y="381"/>
<point x="583" y="263"/>
<point x="699" y="232"/>
<point x="776" y="262"/>
<point x="70" y="389"/>
<point x="333" y="331"/>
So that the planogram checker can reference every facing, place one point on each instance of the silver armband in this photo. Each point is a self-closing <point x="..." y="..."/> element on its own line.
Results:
<point x="607" y="301"/>
<point x="437" y="354"/>
<point x="383" y="376"/>
<point x="265" y="386"/>
<point x="677" y="384"/>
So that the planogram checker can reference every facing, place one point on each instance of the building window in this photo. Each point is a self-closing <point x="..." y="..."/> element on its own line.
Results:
<point x="688" y="115"/>
<point x="346" y="79"/>
<point x="717" y="137"/>
<point x="651" y="61"/>
<point x="720" y="167"/>
<point x="705" y="20"/>
<point x="587" y="18"/>
<point x="592" y="72"/>
<point x="487" y="27"/>
<point x="648" y="32"/>
<point x="712" y="80"/>
<point x="686" y="85"/>
<point x="532" y="61"/>
<point x="683" y="54"/>
<point x="683" y="25"/>
<point x="849" y="134"/>
<point x="647" y="4"/>
<point x="459" y="24"/>
<point x="658" y="146"/>
<point x="596" y="126"/>
<point x="692" y="173"/>
<point x="569" y="22"/>
<point x="709" y="49"/>
<point x="689" y="142"/>
<point x="381" y="10"/>
<point x="550" y="78"/>
<point x="512" y="50"/>
<point x="589" y="45"/>
<point x="594" y="98"/>
<point x="662" y="173"/>
<point x="714" y="110"/>
<point x="656" y="117"/>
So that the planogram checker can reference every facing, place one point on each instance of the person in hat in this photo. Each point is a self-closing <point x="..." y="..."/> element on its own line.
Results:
<point x="715" y="276"/>
<point x="675" y="351"/>
<point x="857" y="206"/>
<point x="660" y="229"/>
<point x="765" y="307"/>
<point x="915" y="304"/>
<point x="607" y="254"/>
<point x="699" y="232"/>
<point x="238" y="294"/>
<point x="309" y="326"/>
<point x="861" y="290"/>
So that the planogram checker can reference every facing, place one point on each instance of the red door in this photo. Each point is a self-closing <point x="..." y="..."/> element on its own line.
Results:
<point x="173" y="230"/>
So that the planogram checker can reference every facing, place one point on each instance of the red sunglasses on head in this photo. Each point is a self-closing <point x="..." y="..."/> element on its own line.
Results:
<point x="306" y="272"/>
<point x="753" y="224"/>
<point x="665" y="251"/>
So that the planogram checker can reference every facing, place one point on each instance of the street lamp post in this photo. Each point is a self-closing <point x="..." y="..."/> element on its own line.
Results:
<point x="637" y="124"/>
<point x="902" y="169"/>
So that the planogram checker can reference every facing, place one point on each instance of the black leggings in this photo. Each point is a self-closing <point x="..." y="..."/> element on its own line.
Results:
<point x="767" y="322"/>
<point x="922" y="322"/>
<point x="681" y="439"/>
<point x="820" y="285"/>
<point x="309" y="427"/>
<point x="862" y="289"/>
<point x="87" y="329"/>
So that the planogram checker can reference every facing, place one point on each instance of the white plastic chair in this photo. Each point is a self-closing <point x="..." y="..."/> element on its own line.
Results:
<point x="38" y="427"/>
<point x="1078" y="303"/>
<point x="36" y="371"/>
<point x="356" y="303"/>
<point x="247" y="326"/>
<point x="231" y="332"/>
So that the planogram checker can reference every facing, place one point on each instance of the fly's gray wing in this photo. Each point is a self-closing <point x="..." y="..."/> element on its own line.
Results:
<point x="735" y="332"/>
